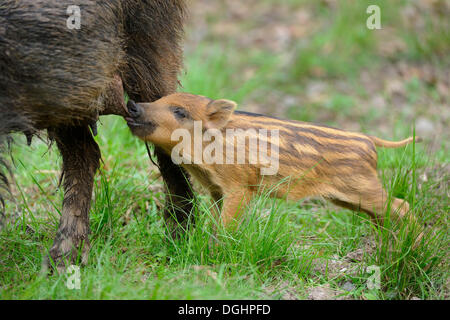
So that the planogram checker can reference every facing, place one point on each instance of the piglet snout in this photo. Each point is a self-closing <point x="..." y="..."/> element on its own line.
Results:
<point x="134" y="109"/>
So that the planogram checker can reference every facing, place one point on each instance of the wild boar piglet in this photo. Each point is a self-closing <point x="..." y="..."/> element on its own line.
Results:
<point x="235" y="155"/>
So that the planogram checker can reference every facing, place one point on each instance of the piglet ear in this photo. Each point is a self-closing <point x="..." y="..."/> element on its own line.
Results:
<point x="219" y="112"/>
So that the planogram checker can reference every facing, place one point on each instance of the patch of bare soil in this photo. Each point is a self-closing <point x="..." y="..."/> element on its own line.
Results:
<point x="284" y="291"/>
<point x="325" y="292"/>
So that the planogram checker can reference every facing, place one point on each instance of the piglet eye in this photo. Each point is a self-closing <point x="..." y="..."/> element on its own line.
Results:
<point x="180" y="113"/>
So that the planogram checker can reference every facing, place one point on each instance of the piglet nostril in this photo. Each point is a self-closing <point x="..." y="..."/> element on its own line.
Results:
<point x="133" y="109"/>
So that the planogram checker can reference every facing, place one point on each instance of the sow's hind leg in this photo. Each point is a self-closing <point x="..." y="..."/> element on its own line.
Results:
<point x="179" y="195"/>
<point x="371" y="198"/>
<point x="3" y="182"/>
<point x="81" y="156"/>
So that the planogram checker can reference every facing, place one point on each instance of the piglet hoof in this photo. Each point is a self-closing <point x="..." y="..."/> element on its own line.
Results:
<point x="67" y="251"/>
<point x="418" y="241"/>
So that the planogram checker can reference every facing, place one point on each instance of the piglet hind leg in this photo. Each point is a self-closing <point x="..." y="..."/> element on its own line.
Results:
<point x="377" y="205"/>
<point x="369" y="196"/>
<point x="400" y="211"/>
<point x="81" y="157"/>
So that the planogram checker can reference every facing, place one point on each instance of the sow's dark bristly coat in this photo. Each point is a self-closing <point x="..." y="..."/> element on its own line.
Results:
<point x="59" y="79"/>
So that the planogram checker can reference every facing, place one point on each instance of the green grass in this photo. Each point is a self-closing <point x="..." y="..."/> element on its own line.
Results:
<point x="132" y="256"/>
<point x="281" y="249"/>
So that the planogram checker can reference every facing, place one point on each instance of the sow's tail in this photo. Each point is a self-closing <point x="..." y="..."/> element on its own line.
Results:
<point x="393" y="144"/>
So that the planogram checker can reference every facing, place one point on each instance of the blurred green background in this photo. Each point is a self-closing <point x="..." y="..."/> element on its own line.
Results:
<point x="317" y="61"/>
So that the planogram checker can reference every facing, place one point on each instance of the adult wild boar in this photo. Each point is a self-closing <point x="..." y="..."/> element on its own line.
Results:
<point x="60" y="77"/>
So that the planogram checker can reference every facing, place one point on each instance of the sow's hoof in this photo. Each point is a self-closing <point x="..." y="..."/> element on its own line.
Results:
<point x="66" y="251"/>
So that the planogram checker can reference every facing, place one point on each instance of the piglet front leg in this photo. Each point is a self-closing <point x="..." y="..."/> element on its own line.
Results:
<point x="234" y="204"/>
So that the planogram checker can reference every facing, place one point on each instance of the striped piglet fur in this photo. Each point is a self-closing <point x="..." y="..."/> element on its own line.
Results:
<point x="313" y="160"/>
